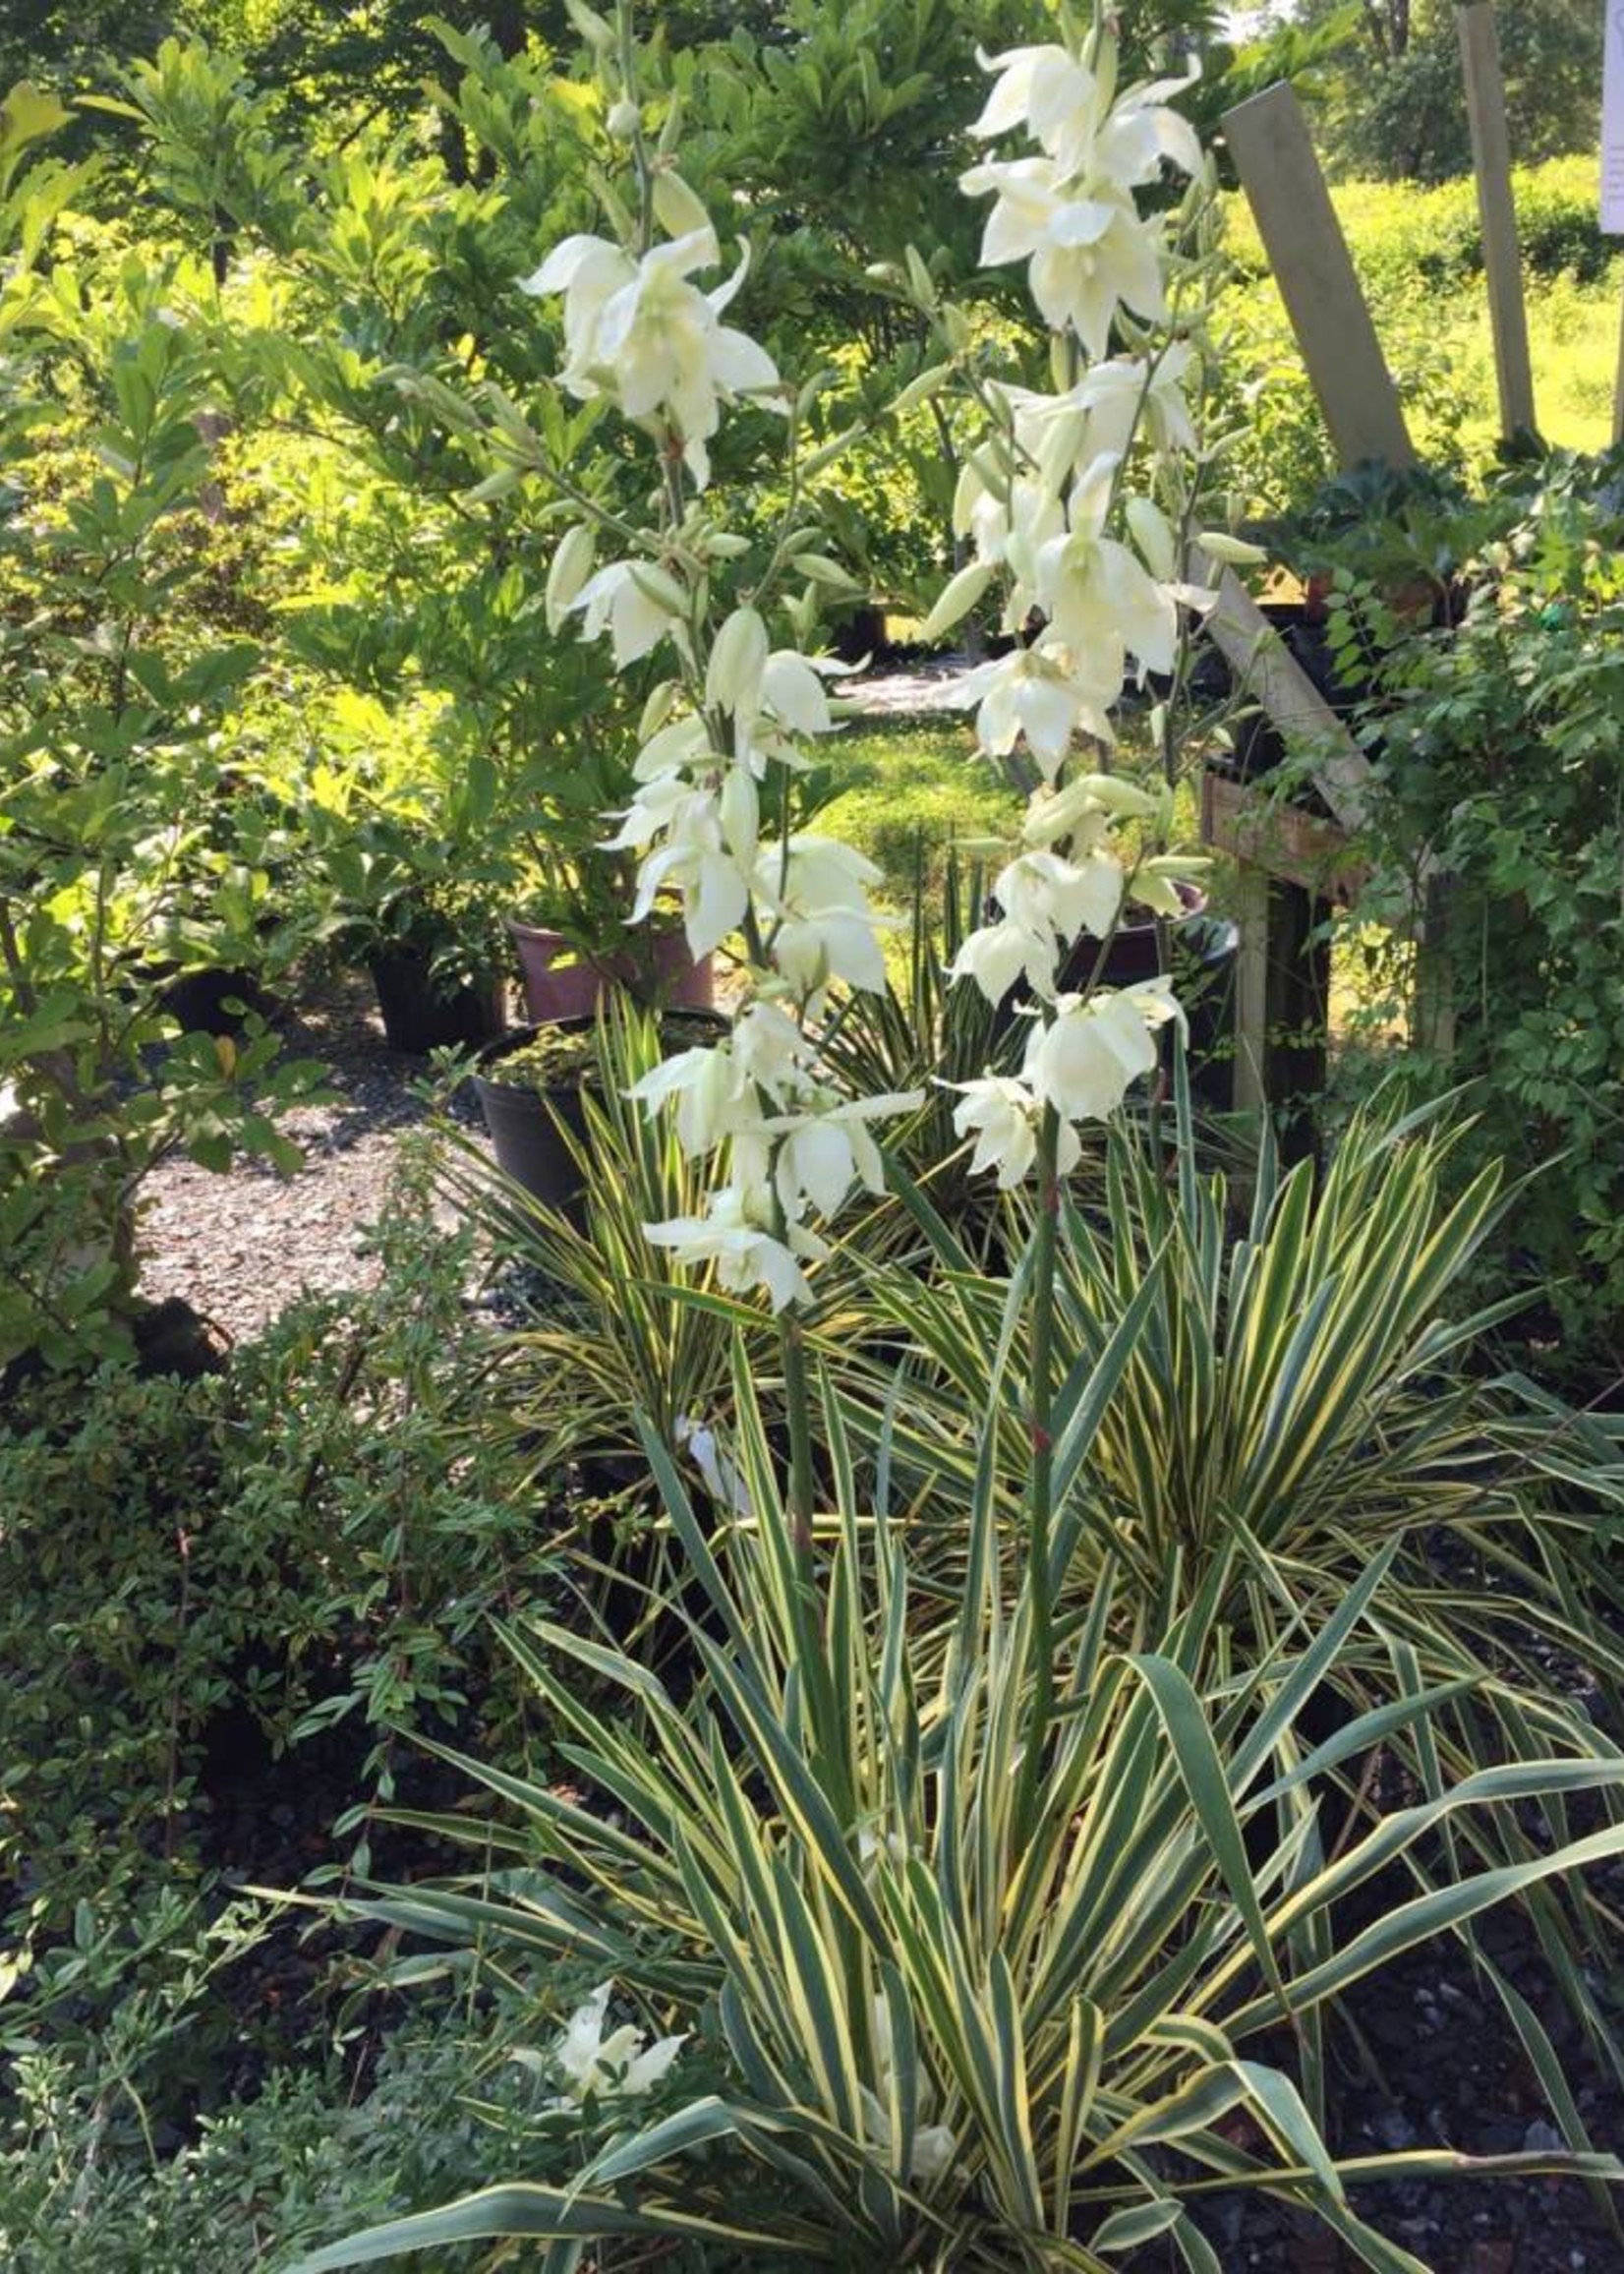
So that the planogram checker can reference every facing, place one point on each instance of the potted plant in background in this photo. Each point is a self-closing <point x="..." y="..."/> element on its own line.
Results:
<point x="530" y="1088"/>
<point x="570" y="929"/>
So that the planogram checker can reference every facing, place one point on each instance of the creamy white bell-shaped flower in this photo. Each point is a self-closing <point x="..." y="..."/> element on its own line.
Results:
<point x="1036" y="695"/>
<point x="1100" y="599"/>
<point x="1002" y="1115"/>
<point x="745" y="1255"/>
<point x="825" y="1151"/>
<point x="812" y="949"/>
<point x="1128" y="396"/>
<point x="1085" y="1059"/>
<point x="996" y="956"/>
<point x="1140" y="133"/>
<point x="680" y="742"/>
<point x="636" y="603"/>
<point x="824" y="929"/>
<point x="1088" y="252"/>
<point x="705" y="1087"/>
<point x="1048" y="90"/>
<point x="934" y="2146"/>
<point x="595" y="2065"/>
<point x="643" y="333"/>
<point x="696" y="861"/>
<point x="1043" y="889"/>
<point x="770" y="1051"/>
<point x="589" y="271"/>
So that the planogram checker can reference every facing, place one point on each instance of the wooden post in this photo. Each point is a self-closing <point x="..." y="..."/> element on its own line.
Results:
<point x="1618" y="392"/>
<point x="1485" y="105"/>
<point x="1251" y="987"/>
<point x="1274" y="156"/>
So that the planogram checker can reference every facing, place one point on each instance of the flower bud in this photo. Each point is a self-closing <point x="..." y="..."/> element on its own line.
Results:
<point x="1233" y="552"/>
<point x="624" y="120"/>
<point x="738" y="661"/>
<point x="957" y="598"/>
<point x="571" y="566"/>
<point x="678" y="209"/>
<point x="1154" y="536"/>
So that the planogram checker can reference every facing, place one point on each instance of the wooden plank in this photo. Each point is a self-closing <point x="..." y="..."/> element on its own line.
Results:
<point x="1485" y="104"/>
<point x="1265" y="668"/>
<point x="1274" y="156"/>
<point x="1251" y="987"/>
<point x="1299" y="848"/>
<point x="1297" y="1056"/>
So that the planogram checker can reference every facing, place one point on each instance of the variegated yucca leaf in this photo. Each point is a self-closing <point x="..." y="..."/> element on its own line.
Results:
<point x="959" y="2042"/>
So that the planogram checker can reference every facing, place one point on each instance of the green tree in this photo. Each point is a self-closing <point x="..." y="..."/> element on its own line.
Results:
<point x="1396" y="110"/>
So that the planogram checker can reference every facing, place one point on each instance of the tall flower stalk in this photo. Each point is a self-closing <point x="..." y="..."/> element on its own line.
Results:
<point x="1078" y="506"/>
<point x="726" y="735"/>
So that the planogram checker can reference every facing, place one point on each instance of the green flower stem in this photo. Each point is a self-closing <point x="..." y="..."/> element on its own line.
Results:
<point x="1040" y="1485"/>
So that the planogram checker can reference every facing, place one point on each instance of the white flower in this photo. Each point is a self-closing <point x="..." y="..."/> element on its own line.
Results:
<point x="1140" y="132"/>
<point x="694" y="861"/>
<point x="636" y="603"/>
<point x="706" y="1088"/>
<point x="934" y="2146"/>
<point x="596" y="2066"/>
<point x="996" y="955"/>
<point x="770" y="1050"/>
<point x="1036" y="695"/>
<point x="1085" y="1060"/>
<point x="1099" y="599"/>
<point x="641" y="331"/>
<point x="824" y="1153"/>
<point x="1049" y="91"/>
<point x="1043" y="889"/>
<point x="817" y="890"/>
<point x="722" y="1479"/>
<point x="1003" y="1114"/>
<point x="745" y="1255"/>
<point x="1088" y="250"/>
<point x="1127" y="396"/>
<point x="1063" y="104"/>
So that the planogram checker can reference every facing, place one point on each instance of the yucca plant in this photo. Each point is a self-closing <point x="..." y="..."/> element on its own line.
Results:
<point x="959" y="2042"/>
<point x="613" y="1341"/>
<point x="1297" y="1401"/>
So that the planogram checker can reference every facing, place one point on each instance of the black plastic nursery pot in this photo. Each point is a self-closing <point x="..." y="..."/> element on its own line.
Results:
<point x="528" y="1123"/>
<point x="419" y="1015"/>
<point x="217" y="1002"/>
<point x="531" y="1122"/>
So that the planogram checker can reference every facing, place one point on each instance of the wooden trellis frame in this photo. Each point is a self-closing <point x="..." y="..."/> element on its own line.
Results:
<point x="1292" y="867"/>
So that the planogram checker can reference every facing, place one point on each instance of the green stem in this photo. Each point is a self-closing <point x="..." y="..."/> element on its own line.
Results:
<point x="1040" y="1488"/>
<point x="797" y="1391"/>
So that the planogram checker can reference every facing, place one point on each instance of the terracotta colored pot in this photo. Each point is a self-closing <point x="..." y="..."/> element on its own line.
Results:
<point x="558" y="983"/>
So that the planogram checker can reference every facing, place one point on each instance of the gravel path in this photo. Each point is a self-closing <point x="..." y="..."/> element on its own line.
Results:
<point x="240" y="1247"/>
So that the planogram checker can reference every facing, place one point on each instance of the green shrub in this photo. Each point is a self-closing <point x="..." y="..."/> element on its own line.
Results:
<point x="1501" y="765"/>
<point x="320" y="1533"/>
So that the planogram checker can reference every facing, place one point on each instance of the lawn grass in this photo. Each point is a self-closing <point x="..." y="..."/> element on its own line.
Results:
<point x="908" y="789"/>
